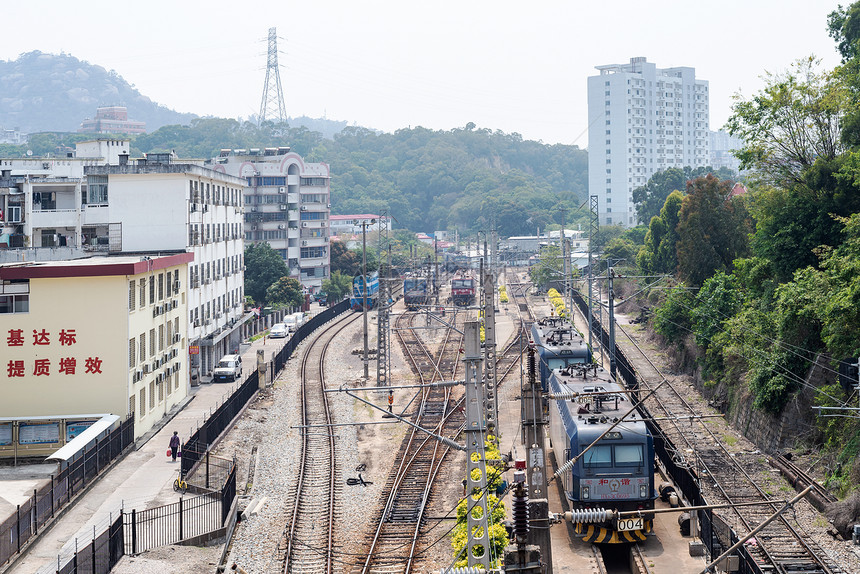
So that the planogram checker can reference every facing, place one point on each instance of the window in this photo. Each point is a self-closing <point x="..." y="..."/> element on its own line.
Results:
<point x="597" y="457"/>
<point x="97" y="189"/>
<point x="14" y="304"/>
<point x="152" y="395"/>
<point x="160" y="286"/>
<point x="132" y="290"/>
<point x="152" y="342"/>
<point x="151" y="290"/>
<point x="142" y="402"/>
<point x="132" y="348"/>
<point x="312" y="181"/>
<point x="142" y="354"/>
<point x="161" y="338"/>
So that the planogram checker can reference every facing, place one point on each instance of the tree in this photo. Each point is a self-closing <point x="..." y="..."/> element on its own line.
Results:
<point x="285" y="292"/>
<point x="712" y="230"/>
<point x="263" y="267"/>
<point x="843" y="25"/>
<point x="649" y="198"/>
<point x="791" y="123"/>
<point x="337" y="286"/>
<point x="658" y="254"/>
<point x="549" y="267"/>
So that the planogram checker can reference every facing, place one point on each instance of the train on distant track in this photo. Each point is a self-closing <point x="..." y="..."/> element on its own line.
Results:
<point x="357" y="300"/>
<point x="617" y="473"/>
<point x="416" y="292"/>
<point x="463" y="287"/>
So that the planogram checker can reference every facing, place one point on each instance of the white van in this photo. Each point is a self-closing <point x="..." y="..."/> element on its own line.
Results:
<point x="290" y="322"/>
<point x="229" y="369"/>
<point x="300" y="319"/>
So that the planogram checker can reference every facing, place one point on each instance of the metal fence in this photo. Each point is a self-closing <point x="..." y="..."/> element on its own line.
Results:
<point x="715" y="539"/>
<point x="197" y="445"/>
<point x="32" y="515"/>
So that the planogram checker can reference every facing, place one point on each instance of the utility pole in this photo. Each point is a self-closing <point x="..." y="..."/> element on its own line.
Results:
<point x="611" y="273"/>
<point x="383" y="345"/>
<point x="478" y="534"/>
<point x="533" y="437"/>
<point x="568" y="291"/>
<point x="595" y="314"/>
<point x="364" y="290"/>
<point x="491" y="400"/>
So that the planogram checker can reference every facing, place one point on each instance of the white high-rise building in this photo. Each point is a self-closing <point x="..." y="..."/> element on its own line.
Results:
<point x="642" y="119"/>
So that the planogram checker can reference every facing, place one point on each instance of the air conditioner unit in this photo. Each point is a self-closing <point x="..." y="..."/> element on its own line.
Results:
<point x="155" y="311"/>
<point x="304" y="243"/>
<point x="176" y="286"/>
<point x="282" y="190"/>
<point x="283" y="207"/>
<point x="253" y="209"/>
<point x="304" y="223"/>
<point x="304" y="208"/>
<point x="138" y="374"/>
<point x="205" y="207"/>
<point x="282" y="227"/>
<point x="328" y="205"/>
<point x="175" y="304"/>
<point x="197" y="323"/>
<point x="156" y="364"/>
<point x="253" y="228"/>
<point x="146" y="368"/>
<point x="193" y="207"/>
<point x="176" y="338"/>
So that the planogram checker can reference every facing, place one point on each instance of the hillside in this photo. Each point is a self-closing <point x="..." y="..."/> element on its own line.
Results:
<point x="46" y="92"/>
<point x="465" y="178"/>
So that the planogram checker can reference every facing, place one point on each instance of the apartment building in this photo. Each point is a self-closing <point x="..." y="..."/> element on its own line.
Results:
<point x="157" y="204"/>
<point x="642" y="119"/>
<point x="99" y="201"/>
<point x="287" y="205"/>
<point x="103" y="335"/>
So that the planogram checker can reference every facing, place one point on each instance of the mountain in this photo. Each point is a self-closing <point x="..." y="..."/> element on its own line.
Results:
<point x="47" y="92"/>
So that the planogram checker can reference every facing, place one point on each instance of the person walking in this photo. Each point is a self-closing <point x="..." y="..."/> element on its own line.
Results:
<point x="174" y="445"/>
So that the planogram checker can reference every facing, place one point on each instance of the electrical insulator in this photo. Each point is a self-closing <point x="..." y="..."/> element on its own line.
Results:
<point x="532" y="365"/>
<point x="588" y="515"/>
<point x="520" y="513"/>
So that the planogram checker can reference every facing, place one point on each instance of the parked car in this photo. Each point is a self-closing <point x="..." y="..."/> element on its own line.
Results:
<point x="278" y="331"/>
<point x="290" y="322"/>
<point x="229" y="369"/>
<point x="300" y="319"/>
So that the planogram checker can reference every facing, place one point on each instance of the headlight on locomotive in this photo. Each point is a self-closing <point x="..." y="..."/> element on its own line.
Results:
<point x="643" y="491"/>
<point x="584" y="493"/>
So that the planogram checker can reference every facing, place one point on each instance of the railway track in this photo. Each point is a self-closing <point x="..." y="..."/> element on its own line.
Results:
<point x="307" y="542"/>
<point x="393" y="545"/>
<point x="726" y="476"/>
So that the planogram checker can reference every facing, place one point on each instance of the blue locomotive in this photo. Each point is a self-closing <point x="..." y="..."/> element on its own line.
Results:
<point x="559" y="344"/>
<point x="617" y="473"/>
<point x="415" y="292"/>
<point x="358" y="296"/>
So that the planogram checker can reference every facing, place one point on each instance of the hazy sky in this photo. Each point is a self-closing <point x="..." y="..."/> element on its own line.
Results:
<point x="514" y="66"/>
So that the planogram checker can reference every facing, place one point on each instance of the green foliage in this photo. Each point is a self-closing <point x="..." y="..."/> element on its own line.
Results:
<point x="337" y="286"/>
<point x="621" y="251"/>
<point x="263" y="267"/>
<point x="658" y="254"/>
<point x="843" y="25"/>
<point x="285" y="292"/>
<point x="791" y="123"/>
<point x="712" y="229"/>
<point x="498" y="535"/>
<point x="673" y="318"/>
<point x="549" y="267"/>
<point x="649" y="198"/>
